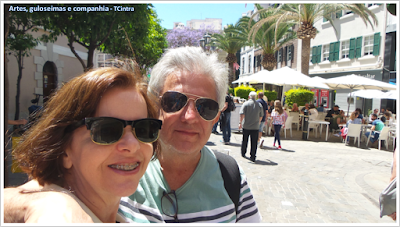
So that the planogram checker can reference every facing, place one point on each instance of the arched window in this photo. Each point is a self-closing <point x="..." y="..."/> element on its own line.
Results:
<point x="49" y="79"/>
<point x="243" y="65"/>
<point x="249" y="63"/>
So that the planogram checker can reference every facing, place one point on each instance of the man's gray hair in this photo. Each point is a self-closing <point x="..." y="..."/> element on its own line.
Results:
<point x="190" y="60"/>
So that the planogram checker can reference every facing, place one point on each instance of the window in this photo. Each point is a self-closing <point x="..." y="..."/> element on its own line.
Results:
<point x="105" y="60"/>
<point x="334" y="51"/>
<point x="249" y="63"/>
<point x="345" y="49"/>
<point x="325" y="52"/>
<point x="279" y="56"/>
<point x="369" y="5"/>
<point x="369" y="45"/>
<point x="347" y="12"/>
<point x="243" y="65"/>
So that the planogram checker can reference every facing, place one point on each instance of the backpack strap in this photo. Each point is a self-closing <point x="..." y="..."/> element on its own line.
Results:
<point x="231" y="175"/>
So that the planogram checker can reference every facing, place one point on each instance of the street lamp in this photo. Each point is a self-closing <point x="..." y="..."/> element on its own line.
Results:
<point x="207" y="40"/>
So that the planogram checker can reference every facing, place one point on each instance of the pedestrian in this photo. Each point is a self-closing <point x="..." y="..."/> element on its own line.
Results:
<point x="93" y="143"/>
<point x="320" y="108"/>
<point x="229" y="106"/>
<point x="278" y="120"/>
<point x="264" y="118"/>
<point x="251" y="114"/>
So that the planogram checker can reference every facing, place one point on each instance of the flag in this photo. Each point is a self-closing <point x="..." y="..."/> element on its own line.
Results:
<point x="236" y="66"/>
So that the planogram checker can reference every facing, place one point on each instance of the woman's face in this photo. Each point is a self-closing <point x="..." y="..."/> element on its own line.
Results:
<point x="97" y="170"/>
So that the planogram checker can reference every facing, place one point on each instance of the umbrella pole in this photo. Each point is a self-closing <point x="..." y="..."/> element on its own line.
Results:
<point x="348" y="106"/>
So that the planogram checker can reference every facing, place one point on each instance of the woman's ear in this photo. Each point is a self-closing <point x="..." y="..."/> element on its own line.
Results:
<point x="67" y="162"/>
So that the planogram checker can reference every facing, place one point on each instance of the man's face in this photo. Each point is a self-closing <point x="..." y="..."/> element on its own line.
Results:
<point x="376" y="111"/>
<point x="336" y="108"/>
<point x="184" y="131"/>
<point x="307" y="105"/>
<point x="373" y="117"/>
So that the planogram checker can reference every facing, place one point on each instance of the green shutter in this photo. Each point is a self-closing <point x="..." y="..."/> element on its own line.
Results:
<point x="339" y="14"/>
<point x="377" y="42"/>
<point x="352" y="48"/>
<point x="331" y="51"/>
<point x="358" y="46"/>
<point x="314" y="57"/>
<point x="337" y="49"/>
<point x="324" y="19"/>
<point x="319" y="53"/>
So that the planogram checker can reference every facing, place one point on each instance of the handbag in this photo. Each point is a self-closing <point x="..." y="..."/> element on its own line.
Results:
<point x="387" y="199"/>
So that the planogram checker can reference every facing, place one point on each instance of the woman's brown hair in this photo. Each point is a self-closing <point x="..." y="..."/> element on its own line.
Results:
<point x="278" y="106"/>
<point x="42" y="148"/>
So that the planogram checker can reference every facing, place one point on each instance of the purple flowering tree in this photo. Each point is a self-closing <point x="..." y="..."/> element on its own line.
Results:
<point x="188" y="37"/>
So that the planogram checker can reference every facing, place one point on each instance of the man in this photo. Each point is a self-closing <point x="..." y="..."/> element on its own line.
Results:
<point x="306" y="107"/>
<point x="251" y="114"/>
<point x="333" y="112"/>
<point x="264" y="104"/>
<point x="377" y="126"/>
<point x="185" y="184"/>
<point x="226" y="119"/>
<point x="376" y="111"/>
<point x="320" y="108"/>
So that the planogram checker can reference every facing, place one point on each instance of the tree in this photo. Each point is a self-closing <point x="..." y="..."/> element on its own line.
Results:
<point x="6" y="90"/>
<point x="231" y="40"/>
<point x="265" y="36"/>
<point x="19" y="43"/>
<point x="188" y="37"/>
<point x="305" y="15"/>
<point x="91" y="29"/>
<point x="145" y="51"/>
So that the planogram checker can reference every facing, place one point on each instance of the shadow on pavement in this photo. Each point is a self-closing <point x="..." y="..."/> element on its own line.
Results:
<point x="260" y="162"/>
<point x="274" y="148"/>
<point x="210" y="143"/>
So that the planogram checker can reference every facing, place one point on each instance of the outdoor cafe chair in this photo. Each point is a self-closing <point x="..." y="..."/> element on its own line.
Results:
<point x="288" y="125"/>
<point x="296" y="118"/>
<point x="384" y="135"/>
<point x="354" y="130"/>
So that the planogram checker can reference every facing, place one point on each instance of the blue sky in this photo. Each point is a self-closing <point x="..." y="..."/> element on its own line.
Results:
<point x="179" y="12"/>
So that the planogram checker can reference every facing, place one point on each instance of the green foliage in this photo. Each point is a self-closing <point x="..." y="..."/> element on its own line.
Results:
<point x="19" y="41"/>
<point x="243" y="91"/>
<point x="300" y="96"/>
<point x="231" y="90"/>
<point x="271" y="95"/>
<point x="92" y="29"/>
<point x="131" y="41"/>
<point x="232" y="39"/>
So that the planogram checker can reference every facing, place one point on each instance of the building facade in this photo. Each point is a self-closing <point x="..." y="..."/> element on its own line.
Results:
<point x="353" y="49"/>
<point x="47" y="68"/>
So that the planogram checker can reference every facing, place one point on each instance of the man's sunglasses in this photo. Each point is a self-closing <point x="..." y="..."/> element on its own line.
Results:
<point x="173" y="101"/>
<point x="108" y="130"/>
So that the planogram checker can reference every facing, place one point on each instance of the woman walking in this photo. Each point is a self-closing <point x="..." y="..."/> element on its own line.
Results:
<point x="278" y="120"/>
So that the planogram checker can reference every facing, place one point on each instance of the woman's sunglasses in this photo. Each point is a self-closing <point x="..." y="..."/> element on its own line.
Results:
<point x="108" y="130"/>
<point x="173" y="101"/>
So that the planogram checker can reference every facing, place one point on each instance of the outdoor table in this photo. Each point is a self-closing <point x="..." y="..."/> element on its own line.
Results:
<point x="321" y="123"/>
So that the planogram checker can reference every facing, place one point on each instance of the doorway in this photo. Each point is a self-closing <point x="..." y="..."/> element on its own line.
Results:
<point x="49" y="80"/>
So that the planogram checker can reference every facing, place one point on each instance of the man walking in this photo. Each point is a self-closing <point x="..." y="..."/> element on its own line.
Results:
<point x="251" y="115"/>
<point x="264" y="104"/>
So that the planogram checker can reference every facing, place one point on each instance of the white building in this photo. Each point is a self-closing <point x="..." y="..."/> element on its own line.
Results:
<point x="196" y="23"/>
<point x="354" y="49"/>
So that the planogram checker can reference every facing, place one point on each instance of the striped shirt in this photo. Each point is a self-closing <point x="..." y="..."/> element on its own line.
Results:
<point x="202" y="199"/>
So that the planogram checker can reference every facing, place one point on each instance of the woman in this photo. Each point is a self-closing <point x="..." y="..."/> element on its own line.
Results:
<point x="278" y="120"/>
<point x="336" y="121"/>
<point x="93" y="141"/>
<point x="360" y="116"/>
<point x="354" y="119"/>
<point x="295" y="108"/>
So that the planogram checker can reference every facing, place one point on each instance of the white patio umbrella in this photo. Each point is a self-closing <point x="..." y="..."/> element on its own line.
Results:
<point x="393" y="94"/>
<point x="367" y="94"/>
<point x="357" y="82"/>
<point x="286" y="76"/>
<point x="242" y="79"/>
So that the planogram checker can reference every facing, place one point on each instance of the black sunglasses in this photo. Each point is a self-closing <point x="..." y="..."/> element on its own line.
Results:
<point x="173" y="101"/>
<point x="108" y="130"/>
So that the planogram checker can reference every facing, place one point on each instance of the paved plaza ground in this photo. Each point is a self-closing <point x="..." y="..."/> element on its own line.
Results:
<point x="314" y="181"/>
